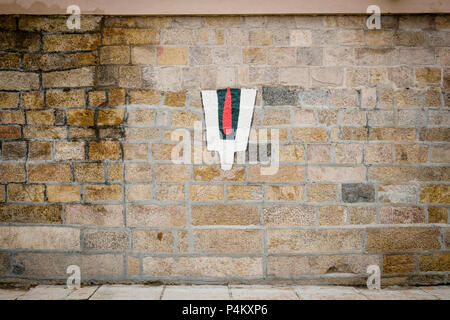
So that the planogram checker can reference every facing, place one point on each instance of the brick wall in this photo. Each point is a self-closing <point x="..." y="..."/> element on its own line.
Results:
<point x="85" y="128"/>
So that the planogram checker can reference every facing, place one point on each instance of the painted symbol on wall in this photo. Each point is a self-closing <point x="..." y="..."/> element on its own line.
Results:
<point x="228" y="117"/>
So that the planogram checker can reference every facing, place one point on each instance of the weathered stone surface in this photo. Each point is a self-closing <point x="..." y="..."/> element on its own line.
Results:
<point x="435" y="262"/>
<point x="228" y="241"/>
<point x="4" y="262"/>
<point x="202" y="192"/>
<point x="447" y="237"/>
<point x="54" y="61"/>
<point x="111" y="192"/>
<point x="21" y="41"/>
<point x="288" y="267"/>
<point x="82" y="77"/>
<point x="97" y="98"/>
<point x="294" y="174"/>
<point x="40" y="238"/>
<point x="280" y="96"/>
<point x="332" y="216"/>
<point x="322" y="192"/>
<point x="209" y="267"/>
<point x="220" y="214"/>
<point x="110" y="240"/>
<point x="286" y="215"/>
<point x="153" y="241"/>
<point x="57" y="24"/>
<point x="30" y="213"/>
<point x="49" y="172"/>
<point x="63" y="193"/>
<point x="358" y="192"/>
<point x="65" y="98"/>
<point x="156" y="215"/>
<point x="408" y="239"/>
<point x="284" y="193"/>
<point x="69" y="150"/>
<point x="14" y="80"/>
<point x="336" y="174"/>
<point x="401" y="263"/>
<point x="172" y="56"/>
<point x="309" y="134"/>
<point x="327" y="77"/>
<point x="393" y="215"/>
<point x="96" y="266"/>
<point x="110" y="117"/>
<point x="104" y="150"/>
<point x="313" y="240"/>
<point x="236" y="192"/>
<point x="214" y="173"/>
<point x="39" y="150"/>
<point x="397" y="193"/>
<point x="99" y="214"/>
<point x="397" y="174"/>
<point x="130" y="36"/>
<point x="89" y="172"/>
<point x="437" y="215"/>
<point x="26" y="193"/>
<point x="362" y="215"/>
<point x="435" y="193"/>
<point x="318" y="153"/>
<point x="14" y="150"/>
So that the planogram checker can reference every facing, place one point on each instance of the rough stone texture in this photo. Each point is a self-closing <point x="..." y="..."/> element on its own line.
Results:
<point x="280" y="95"/>
<point x="303" y="241"/>
<point x="153" y="241"/>
<point x="393" y="215"/>
<point x="398" y="263"/>
<point x="220" y="214"/>
<point x="86" y="125"/>
<point x="435" y="262"/>
<point x="95" y="266"/>
<point x="357" y="192"/>
<point x="413" y="239"/>
<point x="105" y="240"/>
<point x="283" y="215"/>
<point x="30" y="213"/>
<point x="435" y="193"/>
<point x="397" y="193"/>
<point x="227" y="241"/>
<point x="99" y="215"/>
<point x="437" y="215"/>
<point x="41" y="238"/>
<point x="289" y="267"/>
<point x="209" y="267"/>
<point x="155" y="216"/>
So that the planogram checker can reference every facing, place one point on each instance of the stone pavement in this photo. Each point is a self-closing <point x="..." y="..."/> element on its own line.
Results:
<point x="222" y="292"/>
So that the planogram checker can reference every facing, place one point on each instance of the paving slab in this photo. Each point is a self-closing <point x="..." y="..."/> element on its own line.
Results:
<point x="198" y="292"/>
<point x="127" y="292"/>
<point x="396" y="294"/>
<point x="10" y="294"/>
<point x="84" y="293"/>
<point x="328" y="293"/>
<point x="442" y="292"/>
<point x="46" y="292"/>
<point x="262" y="292"/>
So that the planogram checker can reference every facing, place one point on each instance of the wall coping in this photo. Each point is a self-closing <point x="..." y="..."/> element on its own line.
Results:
<point x="222" y="7"/>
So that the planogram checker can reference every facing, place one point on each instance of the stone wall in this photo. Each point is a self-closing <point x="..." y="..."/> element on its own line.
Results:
<point x="86" y="175"/>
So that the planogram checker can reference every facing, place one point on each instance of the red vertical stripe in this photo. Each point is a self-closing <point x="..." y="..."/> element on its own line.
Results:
<point x="227" y="116"/>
